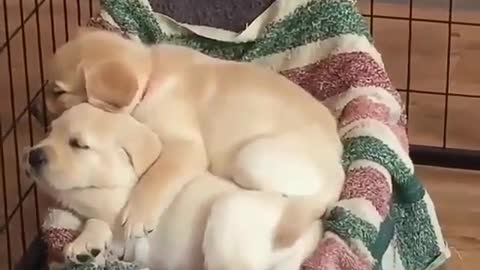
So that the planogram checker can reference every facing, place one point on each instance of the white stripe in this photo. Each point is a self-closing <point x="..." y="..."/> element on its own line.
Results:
<point x="357" y="164"/>
<point x="313" y="52"/>
<point x="337" y="103"/>
<point x="277" y="11"/>
<point x="146" y="3"/>
<point x="299" y="56"/>
<point x="58" y="218"/>
<point x="355" y="43"/>
<point x="363" y="209"/>
<point x="375" y="128"/>
<point x="358" y="247"/>
<point x="391" y="259"/>
<point x="169" y="26"/>
<point x="106" y="17"/>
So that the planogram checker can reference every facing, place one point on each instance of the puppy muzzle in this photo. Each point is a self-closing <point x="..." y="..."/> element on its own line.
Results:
<point x="34" y="159"/>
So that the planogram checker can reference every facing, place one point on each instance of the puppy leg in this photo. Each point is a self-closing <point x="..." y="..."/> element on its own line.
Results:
<point x="304" y="166"/>
<point x="277" y="165"/>
<point x="293" y="257"/>
<point x="238" y="234"/>
<point x="180" y="162"/>
<point x="91" y="242"/>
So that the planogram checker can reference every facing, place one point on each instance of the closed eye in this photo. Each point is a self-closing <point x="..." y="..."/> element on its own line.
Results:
<point x="75" y="143"/>
<point x="58" y="92"/>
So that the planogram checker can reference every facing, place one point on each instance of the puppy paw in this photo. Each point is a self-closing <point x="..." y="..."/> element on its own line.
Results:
<point x="90" y="244"/>
<point x="84" y="250"/>
<point x="139" y="217"/>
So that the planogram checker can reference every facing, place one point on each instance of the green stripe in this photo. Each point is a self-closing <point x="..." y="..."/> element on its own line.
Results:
<point x="134" y="17"/>
<point x="348" y="226"/>
<point x="317" y="20"/>
<point x="416" y="242"/>
<point x="384" y="238"/>
<point x="406" y="186"/>
<point x="411" y="217"/>
<point x="109" y="264"/>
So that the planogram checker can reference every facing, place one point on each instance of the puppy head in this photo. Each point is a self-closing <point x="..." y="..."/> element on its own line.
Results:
<point x="90" y="148"/>
<point x="99" y="67"/>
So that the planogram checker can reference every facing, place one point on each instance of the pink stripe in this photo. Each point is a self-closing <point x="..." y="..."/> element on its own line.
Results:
<point x="401" y="134"/>
<point x="368" y="183"/>
<point x="57" y="238"/>
<point x="333" y="254"/>
<point x="340" y="72"/>
<point x="364" y="108"/>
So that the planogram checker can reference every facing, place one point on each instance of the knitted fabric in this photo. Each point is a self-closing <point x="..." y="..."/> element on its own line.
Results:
<point x="385" y="218"/>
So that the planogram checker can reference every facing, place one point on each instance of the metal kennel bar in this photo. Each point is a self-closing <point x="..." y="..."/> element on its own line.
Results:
<point x="31" y="30"/>
<point x="441" y="156"/>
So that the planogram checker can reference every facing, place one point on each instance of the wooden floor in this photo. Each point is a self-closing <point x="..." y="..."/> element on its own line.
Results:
<point x="456" y="193"/>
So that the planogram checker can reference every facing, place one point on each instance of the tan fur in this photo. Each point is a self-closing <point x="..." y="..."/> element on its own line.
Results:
<point x="118" y="139"/>
<point x="195" y="231"/>
<point x="296" y="218"/>
<point x="101" y="78"/>
<point x="237" y="120"/>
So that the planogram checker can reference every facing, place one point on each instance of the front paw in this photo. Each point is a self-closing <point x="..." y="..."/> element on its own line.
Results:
<point x="84" y="250"/>
<point x="139" y="217"/>
<point x="90" y="245"/>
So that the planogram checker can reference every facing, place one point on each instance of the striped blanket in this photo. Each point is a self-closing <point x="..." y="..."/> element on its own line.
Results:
<point x="385" y="218"/>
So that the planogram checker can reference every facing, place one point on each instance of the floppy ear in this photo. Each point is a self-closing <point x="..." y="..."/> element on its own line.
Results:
<point x="141" y="144"/>
<point x="111" y="85"/>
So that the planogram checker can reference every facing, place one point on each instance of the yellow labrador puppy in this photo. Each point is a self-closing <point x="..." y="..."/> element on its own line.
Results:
<point x="91" y="160"/>
<point x="237" y="120"/>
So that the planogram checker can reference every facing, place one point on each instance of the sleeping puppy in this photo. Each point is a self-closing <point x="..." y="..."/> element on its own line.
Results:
<point x="91" y="160"/>
<point x="237" y="120"/>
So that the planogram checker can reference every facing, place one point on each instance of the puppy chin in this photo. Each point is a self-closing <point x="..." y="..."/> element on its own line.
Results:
<point x="36" y="177"/>
<point x="45" y="186"/>
<point x="43" y="181"/>
<point x="58" y="183"/>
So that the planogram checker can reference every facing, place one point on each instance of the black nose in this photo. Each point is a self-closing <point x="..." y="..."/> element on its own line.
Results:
<point x="37" y="158"/>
